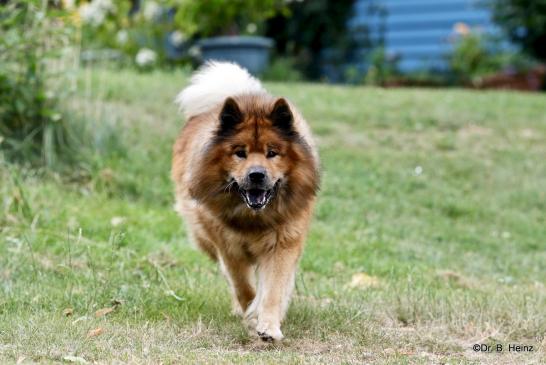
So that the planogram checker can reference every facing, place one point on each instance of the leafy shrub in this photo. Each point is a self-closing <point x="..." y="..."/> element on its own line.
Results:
<point x="32" y="124"/>
<point x="471" y="58"/>
<point x="310" y="31"/>
<point x="223" y="17"/>
<point x="382" y="68"/>
<point x="282" y="69"/>
<point x="476" y="55"/>
<point x="525" y="23"/>
<point x="121" y="31"/>
<point x="157" y="33"/>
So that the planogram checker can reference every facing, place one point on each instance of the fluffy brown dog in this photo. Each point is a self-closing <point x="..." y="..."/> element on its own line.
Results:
<point x="246" y="174"/>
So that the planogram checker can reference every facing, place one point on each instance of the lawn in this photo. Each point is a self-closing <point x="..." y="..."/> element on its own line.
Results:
<point x="429" y="235"/>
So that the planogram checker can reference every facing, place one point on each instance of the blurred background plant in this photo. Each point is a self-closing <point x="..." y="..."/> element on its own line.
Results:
<point x="282" y="69"/>
<point x="477" y="55"/>
<point x="127" y="32"/>
<point x="524" y="22"/>
<point x="48" y="116"/>
<point x="382" y="67"/>
<point x="35" y="65"/>
<point x="151" y="33"/>
<point x="225" y="17"/>
<point x="473" y="56"/>
<point x="309" y="31"/>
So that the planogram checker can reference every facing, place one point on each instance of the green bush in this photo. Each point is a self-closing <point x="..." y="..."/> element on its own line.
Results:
<point x="32" y="125"/>
<point x="111" y="31"/>
<point x="525" y="23"/>
<point x="381" y="67"/>
<point x="148" y="35"/>
<point x="314" y="33"/>
<point x="476" y="55"/>
<point x="224" y="17"/>
<point x="472" y="57"/>
<point x="282" y="69"/>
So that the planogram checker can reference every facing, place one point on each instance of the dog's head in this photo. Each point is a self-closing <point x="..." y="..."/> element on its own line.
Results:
<point x="257" y="156"/>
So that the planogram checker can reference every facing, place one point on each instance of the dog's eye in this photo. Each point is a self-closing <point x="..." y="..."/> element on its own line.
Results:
<point x="271" y="154"/>
<point x="240" y="153"/>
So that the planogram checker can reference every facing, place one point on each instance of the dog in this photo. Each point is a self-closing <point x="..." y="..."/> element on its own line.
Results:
<point x="246" y="176"/>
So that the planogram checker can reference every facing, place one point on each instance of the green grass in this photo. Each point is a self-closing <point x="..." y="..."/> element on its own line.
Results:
<point x="438" y="194"/>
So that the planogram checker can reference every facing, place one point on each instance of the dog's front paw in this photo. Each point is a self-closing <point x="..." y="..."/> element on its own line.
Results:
<point x="236" y="309"/>
<point x="268" y="332"/>
<point x="250" y="323"/>
<point x="250" y="320"/>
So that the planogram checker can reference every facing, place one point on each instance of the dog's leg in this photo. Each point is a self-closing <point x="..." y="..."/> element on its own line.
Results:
<point x="240" y="275"/>
<point x="276" y="273"/>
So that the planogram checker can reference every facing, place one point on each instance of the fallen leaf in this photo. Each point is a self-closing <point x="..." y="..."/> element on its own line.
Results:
<point x="389" y="351"/>
<point x="95" y="332"/>
<point x="20" y="360"/>
<point x="68" y="312"/>
<point x="104" y="311"/>
<point x="454" y="278"/>
<point x="364" y="281"/>
<point x="77" y="359"/>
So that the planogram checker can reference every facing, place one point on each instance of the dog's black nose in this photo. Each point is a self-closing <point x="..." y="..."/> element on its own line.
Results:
<point x="257" y="174"/>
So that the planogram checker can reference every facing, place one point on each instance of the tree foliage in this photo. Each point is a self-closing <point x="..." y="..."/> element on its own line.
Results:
<point x="312" y="27"/>
<point x="222" y="17"/>
<point x="525" y="23"/>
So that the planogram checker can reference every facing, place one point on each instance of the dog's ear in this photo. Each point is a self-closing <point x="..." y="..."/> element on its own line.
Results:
<point x="230" y="116"/>
<point x="282" y="117"/>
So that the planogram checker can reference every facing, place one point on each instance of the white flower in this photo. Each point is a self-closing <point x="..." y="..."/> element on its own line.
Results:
<point x="177" y="38"/>
<point x="90" y="14"/>
<point x="251" y="28"/>
<point x="418" y="170"/>
<point x="122" y="37"/>
<point x="152" y="10"/>
<point x="145" y="57"/>
<point x="105" y="5"/>
<point x="93" y="13"/>
<point x="194" y="52"/>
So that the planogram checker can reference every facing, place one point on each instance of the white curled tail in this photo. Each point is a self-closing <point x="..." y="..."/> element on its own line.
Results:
<point x="212" y="84"/>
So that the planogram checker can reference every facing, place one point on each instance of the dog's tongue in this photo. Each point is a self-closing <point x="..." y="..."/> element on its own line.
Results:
<point x="256" y="197"/>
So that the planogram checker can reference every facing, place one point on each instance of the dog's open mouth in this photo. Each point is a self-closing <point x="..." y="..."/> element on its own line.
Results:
<point x="257" y="198"/>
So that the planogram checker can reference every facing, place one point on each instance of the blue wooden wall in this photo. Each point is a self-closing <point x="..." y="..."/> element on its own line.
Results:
<point x="418" y="31"/>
